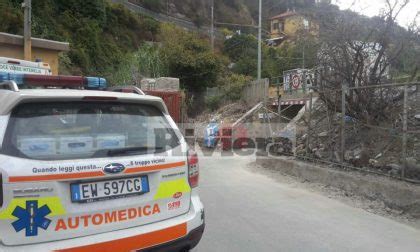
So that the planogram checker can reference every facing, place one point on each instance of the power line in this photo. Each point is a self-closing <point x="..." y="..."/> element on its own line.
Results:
<point x="233" y="24"/>
<point x="212" y="25"/>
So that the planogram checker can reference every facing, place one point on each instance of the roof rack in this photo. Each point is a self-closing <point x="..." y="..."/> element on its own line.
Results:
<point x="9" y="85"/>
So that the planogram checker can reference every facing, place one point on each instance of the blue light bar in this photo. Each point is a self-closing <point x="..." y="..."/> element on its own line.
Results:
<point x="95" y="83"/>
<point x="17" y="77"/>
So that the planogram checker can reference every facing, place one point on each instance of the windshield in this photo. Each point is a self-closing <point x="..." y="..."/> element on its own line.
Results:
<point x="58" y="131"/>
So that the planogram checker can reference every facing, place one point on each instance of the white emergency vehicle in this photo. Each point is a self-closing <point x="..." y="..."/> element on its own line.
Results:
<point x="91" y="170"/>
<point x="16" y="66"/>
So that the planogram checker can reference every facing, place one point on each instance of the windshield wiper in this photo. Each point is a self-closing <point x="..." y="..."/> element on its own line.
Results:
<point x="126" y="151"/>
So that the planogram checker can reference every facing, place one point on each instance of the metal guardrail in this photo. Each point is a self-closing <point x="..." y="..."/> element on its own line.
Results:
<point x="165" y="18"/>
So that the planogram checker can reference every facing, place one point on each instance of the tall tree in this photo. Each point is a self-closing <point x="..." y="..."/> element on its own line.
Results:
<point x="190" y="58"/>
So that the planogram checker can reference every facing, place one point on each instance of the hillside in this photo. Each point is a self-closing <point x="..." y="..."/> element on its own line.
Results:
<point x="108" y="40"/>
<point x="100" y="33"/>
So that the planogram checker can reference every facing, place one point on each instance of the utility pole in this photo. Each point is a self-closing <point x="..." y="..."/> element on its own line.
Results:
<point x="27" y="5"/>
<point x="259" y="39"/>
<point x="303" y="57"/>
<point x="212" y="25"/>
<point x="404" y="139"/>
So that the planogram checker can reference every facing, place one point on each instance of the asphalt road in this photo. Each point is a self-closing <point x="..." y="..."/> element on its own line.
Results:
<point x="247" y="211"/>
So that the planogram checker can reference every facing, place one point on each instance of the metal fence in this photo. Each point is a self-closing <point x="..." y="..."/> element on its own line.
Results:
<point x="256" y="91"/>
<point x="374" y="129"/>
<point x="213" y="91"/>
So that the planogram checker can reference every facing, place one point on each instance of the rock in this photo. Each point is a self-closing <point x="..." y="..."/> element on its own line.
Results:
<point x="318" y="154"/>
<point x="300" y="147"/>
<point x="338" y="116"/>
<point x="300" y="152"/>
<point x="395" y="166"/>
<point x="357" y="152"/>
<point x="412" y="167"/>
<point x="395" y="169"/>
<point x="337" y="156"/>
<point x="396" y="212"/>
<point x="417" y="117"/>
<point x="323" y="134"/>
<point x="348" y="155"/>
<point x="412" y="163"/>
<point x="361" y="158"/>
<point x="374" y="163"/>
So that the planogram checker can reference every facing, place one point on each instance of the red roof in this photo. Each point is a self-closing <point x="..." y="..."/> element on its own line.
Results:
<point x="284" y="15"/>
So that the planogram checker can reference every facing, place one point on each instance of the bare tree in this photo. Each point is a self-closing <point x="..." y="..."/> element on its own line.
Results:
<point x="357" y="51"/>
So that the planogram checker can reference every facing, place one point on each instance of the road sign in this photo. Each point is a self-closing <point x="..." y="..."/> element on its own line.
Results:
<point x="296" y="81"/>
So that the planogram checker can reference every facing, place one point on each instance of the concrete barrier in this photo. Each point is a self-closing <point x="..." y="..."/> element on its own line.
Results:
<point x="395" y="194"/>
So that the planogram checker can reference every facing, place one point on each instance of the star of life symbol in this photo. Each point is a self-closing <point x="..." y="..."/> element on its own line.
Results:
<point x="31" y="218"/>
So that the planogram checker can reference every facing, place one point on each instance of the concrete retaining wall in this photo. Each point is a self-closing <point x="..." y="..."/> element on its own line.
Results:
<point x="394" y="193"/>
<point x="162" y="83"/>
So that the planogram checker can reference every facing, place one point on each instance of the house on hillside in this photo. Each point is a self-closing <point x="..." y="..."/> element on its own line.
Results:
<point x="289" y="25"/>
<point x="43" y="50"/>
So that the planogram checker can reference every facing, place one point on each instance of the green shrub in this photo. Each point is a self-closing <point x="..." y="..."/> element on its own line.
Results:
<point x="234" y="84"/>
<point x="155" y="5"/>
<point x="190" y="58"/>
<point x="11" y="18"/>
<point x="213" y="102"/>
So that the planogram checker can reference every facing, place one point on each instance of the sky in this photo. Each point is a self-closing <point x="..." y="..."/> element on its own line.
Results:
<point x="373" y="8"/>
